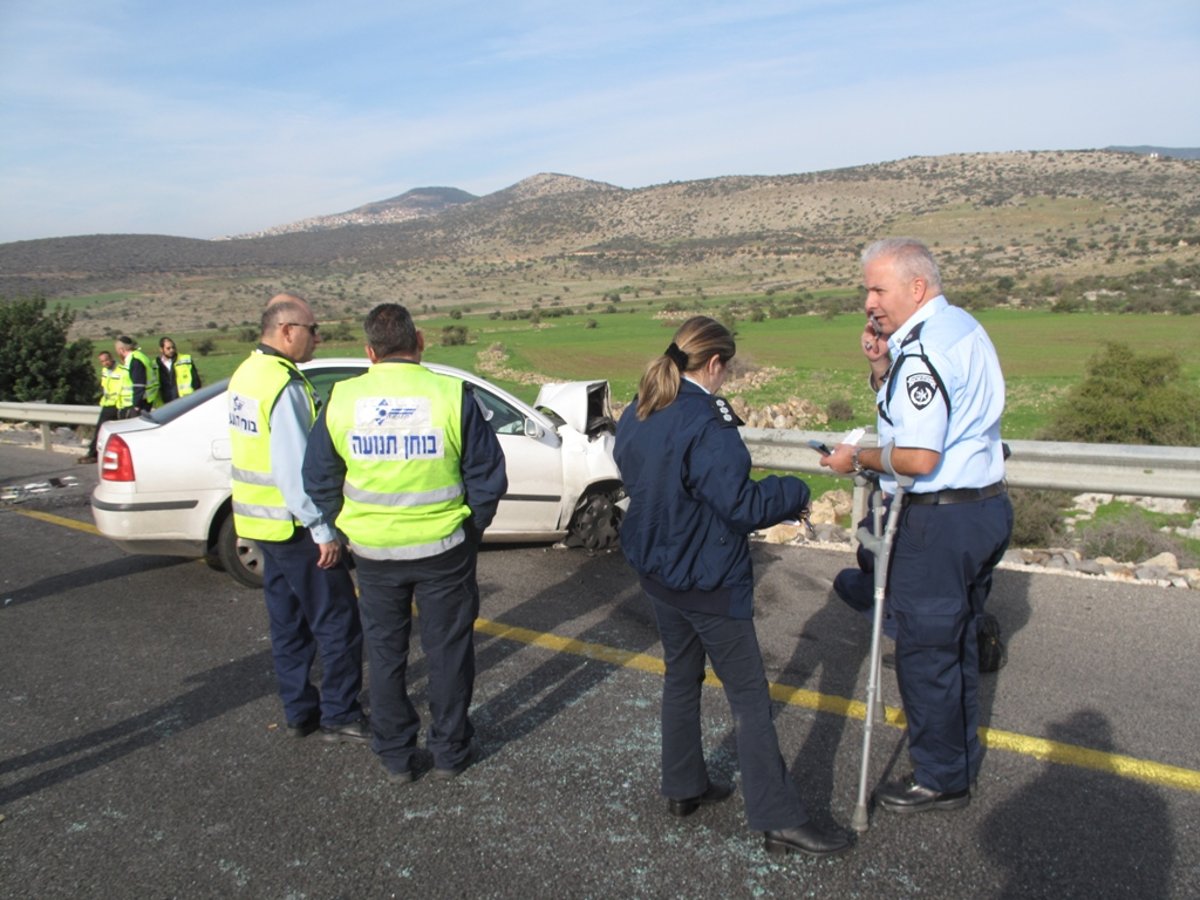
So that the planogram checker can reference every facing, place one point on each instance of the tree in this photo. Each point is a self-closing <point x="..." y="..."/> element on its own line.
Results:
<point x="37" y="362"/>
<point x="1129" y="399"/>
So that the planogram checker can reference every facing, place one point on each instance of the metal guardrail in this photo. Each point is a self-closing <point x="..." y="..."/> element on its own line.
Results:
<point x="1105" y="468"/>
<point x="48" y="414"/>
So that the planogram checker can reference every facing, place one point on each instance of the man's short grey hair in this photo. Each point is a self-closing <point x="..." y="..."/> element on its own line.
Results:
<point x="912" y="257"/>
<point x="126" y="341"/>
<point x="280" y="311"/>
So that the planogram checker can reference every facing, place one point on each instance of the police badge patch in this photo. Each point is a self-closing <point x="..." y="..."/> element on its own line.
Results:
<point x="922" y="388"/>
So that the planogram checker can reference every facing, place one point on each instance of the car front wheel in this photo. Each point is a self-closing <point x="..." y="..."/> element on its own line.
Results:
<point x="596" y="525"/>
<point x="241" y="559"/>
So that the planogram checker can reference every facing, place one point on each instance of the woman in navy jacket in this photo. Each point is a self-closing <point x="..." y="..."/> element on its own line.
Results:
<point x="692" y="508"/>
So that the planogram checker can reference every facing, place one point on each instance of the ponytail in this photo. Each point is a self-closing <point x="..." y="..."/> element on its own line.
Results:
<point x="695" y="343"/>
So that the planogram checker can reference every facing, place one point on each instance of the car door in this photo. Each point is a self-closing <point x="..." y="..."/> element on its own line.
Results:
<point x="533" y="460"/>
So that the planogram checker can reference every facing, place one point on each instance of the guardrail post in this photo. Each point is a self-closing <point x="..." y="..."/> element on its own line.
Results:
<point x="45" y="435"/>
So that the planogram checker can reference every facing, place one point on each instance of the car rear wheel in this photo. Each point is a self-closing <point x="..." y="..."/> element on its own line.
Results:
<point x="596" y="524"/>
<point x="241" y="559"/>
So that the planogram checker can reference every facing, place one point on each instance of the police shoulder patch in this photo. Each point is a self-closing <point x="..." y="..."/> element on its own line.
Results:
<point x="922" y="388"/>
<point x="725" y="414"/>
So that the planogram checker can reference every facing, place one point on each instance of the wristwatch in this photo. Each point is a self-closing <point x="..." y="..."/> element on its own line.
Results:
<point x="854" y="461"/>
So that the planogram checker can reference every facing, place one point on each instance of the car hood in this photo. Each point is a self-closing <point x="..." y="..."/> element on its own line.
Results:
<point x="585" y="406"/>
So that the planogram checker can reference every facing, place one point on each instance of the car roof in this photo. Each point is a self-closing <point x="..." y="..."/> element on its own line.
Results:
<point x="333" y="362"/>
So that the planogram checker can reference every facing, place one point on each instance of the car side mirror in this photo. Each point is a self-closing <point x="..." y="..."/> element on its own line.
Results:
<point x="532" y="429"/>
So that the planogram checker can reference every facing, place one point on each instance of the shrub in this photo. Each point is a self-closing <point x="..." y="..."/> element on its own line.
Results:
<point x="206" y="346"/>
<point x="37" y="363"/>
<point x="454" y="336"/>
<point x="1038" y="517"/>
<point x="839" y="410"/>
<point x="1129" y="399"/>
<point x="1129" y="538"/>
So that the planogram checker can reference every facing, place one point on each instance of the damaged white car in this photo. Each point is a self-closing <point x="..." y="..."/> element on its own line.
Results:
<point x="164" y="477"/>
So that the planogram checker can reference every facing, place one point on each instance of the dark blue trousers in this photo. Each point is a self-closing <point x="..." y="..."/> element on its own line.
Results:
<point x="447" y="598"/>
<point x="941" y="572"/>
<point x="771" y="798"/>
<point x="312" y="610"/>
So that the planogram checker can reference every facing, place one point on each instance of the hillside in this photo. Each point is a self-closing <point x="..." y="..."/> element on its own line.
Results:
<point x="414" y="204"/>
<point x="1022" y="216"/>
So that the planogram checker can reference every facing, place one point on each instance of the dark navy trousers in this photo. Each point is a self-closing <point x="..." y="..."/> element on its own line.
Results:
<point x="447" y="599"/>
<point x="772" y="801"/>
<point x="312" y="610"/>
<point x="941" y="573"/>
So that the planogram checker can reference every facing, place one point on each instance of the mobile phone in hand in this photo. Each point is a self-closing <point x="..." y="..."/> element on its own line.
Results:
<point x="820" y="448"/>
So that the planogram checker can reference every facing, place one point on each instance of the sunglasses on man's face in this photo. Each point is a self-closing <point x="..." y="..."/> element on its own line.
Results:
<point x="312" y="329"/>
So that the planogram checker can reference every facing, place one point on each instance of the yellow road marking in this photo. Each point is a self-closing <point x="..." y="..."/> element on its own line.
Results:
<point x="58" y="520"/>
<point x="1037" y="748"/>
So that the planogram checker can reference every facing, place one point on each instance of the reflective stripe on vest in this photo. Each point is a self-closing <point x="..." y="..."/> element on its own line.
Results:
<point x="398" y="427"/>
<point x="259" y="510"/>
<point x="410" y="552"/>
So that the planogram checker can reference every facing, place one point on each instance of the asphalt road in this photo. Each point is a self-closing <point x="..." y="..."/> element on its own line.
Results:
<point x="142" y="753"/>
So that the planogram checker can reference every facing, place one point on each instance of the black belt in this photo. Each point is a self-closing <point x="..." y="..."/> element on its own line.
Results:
<point x="955" y="495"/>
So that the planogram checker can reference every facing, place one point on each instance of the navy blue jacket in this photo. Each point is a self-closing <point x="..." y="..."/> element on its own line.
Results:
<point x="693" y="504"/>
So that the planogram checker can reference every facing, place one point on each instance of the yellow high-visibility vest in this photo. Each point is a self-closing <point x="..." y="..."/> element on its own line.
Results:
<point x="398" y="427"/>
<point x="259" y="511"/>
<point x="184" y="371"/>
<point x="110" y="387"/>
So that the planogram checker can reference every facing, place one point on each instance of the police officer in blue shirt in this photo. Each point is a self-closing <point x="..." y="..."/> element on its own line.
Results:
<point x="692" y="508"/>
<point x="940" y="396"/>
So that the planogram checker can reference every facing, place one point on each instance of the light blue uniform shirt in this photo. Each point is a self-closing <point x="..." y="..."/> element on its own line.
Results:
<point x="969" y="437"/>
<point x="290" y="423"/>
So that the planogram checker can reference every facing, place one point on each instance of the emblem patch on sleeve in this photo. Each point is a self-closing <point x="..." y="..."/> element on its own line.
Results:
<point x="922" y="388"/>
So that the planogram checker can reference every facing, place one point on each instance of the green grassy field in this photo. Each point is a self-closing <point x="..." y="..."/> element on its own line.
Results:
<point x="1042" y="353"/>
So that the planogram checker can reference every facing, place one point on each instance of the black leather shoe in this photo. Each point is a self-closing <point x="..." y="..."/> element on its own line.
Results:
<point x="451" y="773"/>
<point x="358" y="732"/>
<point x="805" y="839"/>
<point x="714" y="794"/>
<point x="304" y="728"/>
<point x="401" y="778"/>
<point x="906" y="795"/>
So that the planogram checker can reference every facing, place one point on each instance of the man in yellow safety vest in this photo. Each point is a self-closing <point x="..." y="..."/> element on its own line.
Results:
<point x="139" y="379"/>
<point x="177" y="374"/>
<point x="306" y="583"/>
<point x="404" y="459"/>
<point x="110" y="398"/>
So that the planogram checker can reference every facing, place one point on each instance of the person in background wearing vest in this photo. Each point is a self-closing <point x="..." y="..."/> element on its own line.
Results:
<point x="692" y="507"/>
<point x="177" y="375"/>
<point x="940" y="393"/>
<point x="110" y="396"/>
<point x="139" y="379"/>
<point x="404" y="459"/>
<point x="306" y="582"/>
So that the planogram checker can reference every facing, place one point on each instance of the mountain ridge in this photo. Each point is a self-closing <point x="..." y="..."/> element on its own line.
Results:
<point x="1013" y="215"/>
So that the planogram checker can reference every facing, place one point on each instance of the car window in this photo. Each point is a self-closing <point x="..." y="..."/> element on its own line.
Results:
<point x="323" y="380"/>
<point x="502" y="416"/>
<point x="177" y="408"/>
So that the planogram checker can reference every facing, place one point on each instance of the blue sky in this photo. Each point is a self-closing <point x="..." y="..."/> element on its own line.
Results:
<point x="229" y="116"/>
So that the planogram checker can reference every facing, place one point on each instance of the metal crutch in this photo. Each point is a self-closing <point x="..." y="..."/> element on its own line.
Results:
<point x="879" y="542"/>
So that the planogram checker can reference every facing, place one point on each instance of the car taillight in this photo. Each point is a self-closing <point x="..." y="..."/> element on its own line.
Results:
<point x="117" y="462"/>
